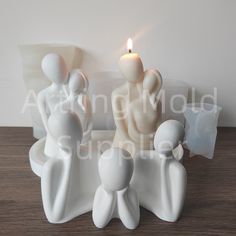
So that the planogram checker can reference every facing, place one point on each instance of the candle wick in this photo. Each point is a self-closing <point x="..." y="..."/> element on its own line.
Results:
<point x="130" y="51"/>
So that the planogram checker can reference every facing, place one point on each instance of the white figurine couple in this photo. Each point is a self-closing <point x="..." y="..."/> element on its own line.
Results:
<point x="55" y="97"/>
<point x="137" y="108"/>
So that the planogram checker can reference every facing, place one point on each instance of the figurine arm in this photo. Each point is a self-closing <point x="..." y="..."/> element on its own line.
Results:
<point x="54" y="193"/>
<point x="128" y="207"/>
<point x="173" y="186"/>
<point x="135" y="134"/>
<point x="88" y="110"/>
<point x="103" y="207"/>
<point x="165" y="187"/>
<point x="119" y="116"/>
<point x="179" y="178"/>
<point x="42" y="110"/>
<point x="65" y="90"/>
<point x="64" y="106"/>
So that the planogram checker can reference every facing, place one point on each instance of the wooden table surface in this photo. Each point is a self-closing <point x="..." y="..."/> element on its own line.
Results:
<point x="210" y="207"/>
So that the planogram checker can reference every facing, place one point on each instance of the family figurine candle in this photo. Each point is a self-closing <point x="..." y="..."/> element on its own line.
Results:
<point x="136" y="107"/>
<point x="130" y="174"/>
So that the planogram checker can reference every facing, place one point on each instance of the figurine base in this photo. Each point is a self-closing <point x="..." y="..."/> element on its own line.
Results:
<point x="37" y="157"/>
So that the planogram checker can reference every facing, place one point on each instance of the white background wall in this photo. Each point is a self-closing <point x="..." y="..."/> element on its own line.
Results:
<point x="189" y="40"/>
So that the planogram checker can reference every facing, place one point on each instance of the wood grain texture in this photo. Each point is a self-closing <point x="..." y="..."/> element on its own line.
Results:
<point x="210" y="207"/>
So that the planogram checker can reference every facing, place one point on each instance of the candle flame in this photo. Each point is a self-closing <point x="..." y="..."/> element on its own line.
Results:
<point x="129" y="45"/>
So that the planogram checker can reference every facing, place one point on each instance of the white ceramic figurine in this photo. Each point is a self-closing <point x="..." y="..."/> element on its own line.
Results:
<point x="159" y="179"/>
<point x="67" y="185"/>
<point x="114" y="198"/>
<point x="55" y="70"/>
<point x="58" y="173"/>
<point x="144" y="115"/>
<point x="136" y="109"/>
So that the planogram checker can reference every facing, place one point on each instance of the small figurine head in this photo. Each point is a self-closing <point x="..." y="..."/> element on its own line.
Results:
<point x="168" y="136"/>
<point x="115" y="169"/>
<point x="131" y="67"/>
<point x="54" y="68"/>
<point x="77" y="82"/>
<point x="65" y="127"/>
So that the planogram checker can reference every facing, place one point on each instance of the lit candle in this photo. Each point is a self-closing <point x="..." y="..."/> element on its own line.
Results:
<point x="131" y="65"/>
<point x="130" y="45"/>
